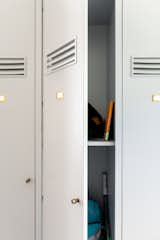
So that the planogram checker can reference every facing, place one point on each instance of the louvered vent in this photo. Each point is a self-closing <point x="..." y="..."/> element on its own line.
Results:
<point x="12" y="67"/>
<point x="145" y="66"/>
<point x="63" y="56"/>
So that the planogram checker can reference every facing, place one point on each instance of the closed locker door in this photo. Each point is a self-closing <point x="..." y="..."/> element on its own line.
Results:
<point x="141" y="126"/>
<point x="17" y="120"/>
<point x="64" y="60"/>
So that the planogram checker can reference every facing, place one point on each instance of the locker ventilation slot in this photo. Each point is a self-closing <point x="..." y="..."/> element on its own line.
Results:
<point x="63" y="56"/>
<point x="145" y="66"/>
<point x="12" y="67"/>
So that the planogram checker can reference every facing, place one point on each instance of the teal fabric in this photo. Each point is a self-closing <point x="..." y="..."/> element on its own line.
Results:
<point x="93" y="229"/>
<point x="94" y="213"/>
<point x="94" y="218"/>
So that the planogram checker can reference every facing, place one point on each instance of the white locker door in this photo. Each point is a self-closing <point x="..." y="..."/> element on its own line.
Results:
<point x="64" y="61"/>
<point x="141" y="149"/>
<point x="17" y="119"/>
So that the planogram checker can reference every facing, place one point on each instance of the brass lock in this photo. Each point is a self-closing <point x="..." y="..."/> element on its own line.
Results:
<point x="75" y="201"/>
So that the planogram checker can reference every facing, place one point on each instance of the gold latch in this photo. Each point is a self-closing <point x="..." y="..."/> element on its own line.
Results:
<point x="156" y="98"/>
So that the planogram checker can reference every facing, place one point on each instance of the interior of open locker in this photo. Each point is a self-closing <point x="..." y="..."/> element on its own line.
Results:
<point x="101" y="89"/>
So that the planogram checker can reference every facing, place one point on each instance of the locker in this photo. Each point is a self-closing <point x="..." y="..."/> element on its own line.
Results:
<point x="141" y="120"/>
<point x="19" y="141"/>
<point x="79" y="67"/>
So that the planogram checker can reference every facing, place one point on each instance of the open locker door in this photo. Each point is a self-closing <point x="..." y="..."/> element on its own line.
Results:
<point x="141" y="145"/>
<point x="63" y="123"/>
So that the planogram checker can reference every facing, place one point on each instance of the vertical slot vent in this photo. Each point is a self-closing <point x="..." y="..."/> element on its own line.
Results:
<point x="64" y="56"/>
<point x="12" y="67"/>
<point x="145" y="66"/>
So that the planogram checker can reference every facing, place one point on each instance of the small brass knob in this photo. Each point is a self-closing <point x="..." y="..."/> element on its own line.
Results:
<point x="75" y="201"/>
<point x="28" y="180"/>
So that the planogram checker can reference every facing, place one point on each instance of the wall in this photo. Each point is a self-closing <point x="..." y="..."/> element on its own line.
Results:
<point x="111" y="57"/>
<point x="102" y="159"/>
<point x="98" y="163"/>
<point x="98" y="67"/>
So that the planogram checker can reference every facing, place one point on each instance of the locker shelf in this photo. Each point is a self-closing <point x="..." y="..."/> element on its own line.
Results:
<point x="100" y="143"/>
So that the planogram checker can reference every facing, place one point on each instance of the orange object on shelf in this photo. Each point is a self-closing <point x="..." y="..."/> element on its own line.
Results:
<point x="108" y="120"/>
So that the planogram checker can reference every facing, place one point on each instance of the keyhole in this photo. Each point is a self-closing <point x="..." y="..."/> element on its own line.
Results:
<point x="28" y="180"/>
